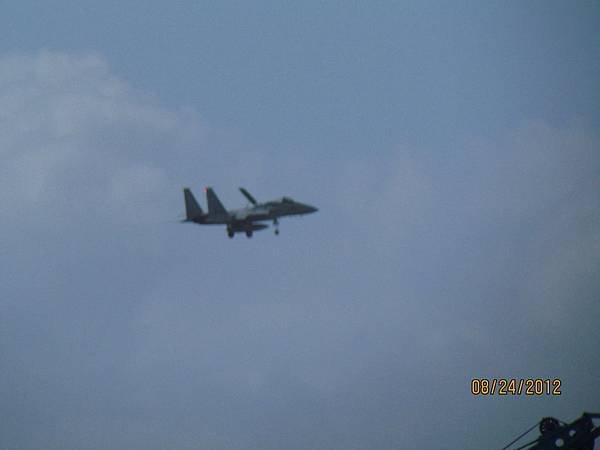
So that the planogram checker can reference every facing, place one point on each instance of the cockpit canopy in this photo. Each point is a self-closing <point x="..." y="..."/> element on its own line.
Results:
<point x="287" y="200"/>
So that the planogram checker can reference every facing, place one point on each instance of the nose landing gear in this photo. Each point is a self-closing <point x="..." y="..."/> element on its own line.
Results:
<point x="276" y="225"/>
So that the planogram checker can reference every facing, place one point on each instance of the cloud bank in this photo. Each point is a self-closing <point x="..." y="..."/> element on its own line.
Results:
<point x="359" y="327"/>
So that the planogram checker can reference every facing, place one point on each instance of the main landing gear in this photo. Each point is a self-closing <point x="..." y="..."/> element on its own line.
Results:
<point x="231" y="233"/>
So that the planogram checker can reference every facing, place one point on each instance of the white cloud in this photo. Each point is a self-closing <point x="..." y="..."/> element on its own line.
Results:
<point x="74" y="136"/>
<point x="426" y="259"/>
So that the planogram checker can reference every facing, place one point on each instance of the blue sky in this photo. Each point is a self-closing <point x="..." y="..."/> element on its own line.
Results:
<point x="453" y="152"/>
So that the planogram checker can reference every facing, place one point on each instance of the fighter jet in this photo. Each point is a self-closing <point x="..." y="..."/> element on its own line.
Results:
<point x="246" y="220"/>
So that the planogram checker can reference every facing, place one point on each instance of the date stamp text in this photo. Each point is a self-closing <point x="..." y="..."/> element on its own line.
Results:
<point x="514" y="386"/>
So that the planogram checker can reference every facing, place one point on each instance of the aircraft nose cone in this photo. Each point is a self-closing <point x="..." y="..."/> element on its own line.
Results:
<point x="312" y="209"/>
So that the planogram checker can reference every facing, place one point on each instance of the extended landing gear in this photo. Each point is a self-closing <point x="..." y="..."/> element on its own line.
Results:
<point x="276" y="225"/>
<point x="231" y="232"/>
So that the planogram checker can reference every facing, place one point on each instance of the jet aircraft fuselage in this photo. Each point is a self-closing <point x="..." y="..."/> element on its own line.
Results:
<point x="246" y="219"/>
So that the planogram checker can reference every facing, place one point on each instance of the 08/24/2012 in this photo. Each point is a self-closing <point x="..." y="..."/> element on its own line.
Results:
<point x="513" y="386"/>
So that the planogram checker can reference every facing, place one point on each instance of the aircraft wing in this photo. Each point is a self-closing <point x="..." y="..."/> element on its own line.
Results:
<point x="252" y="214"/>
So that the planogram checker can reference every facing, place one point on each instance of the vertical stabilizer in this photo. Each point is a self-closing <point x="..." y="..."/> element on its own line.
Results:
<point x="215" y="207"/>
<point x="192" y="208"/>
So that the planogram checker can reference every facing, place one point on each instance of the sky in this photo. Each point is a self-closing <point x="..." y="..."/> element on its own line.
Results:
<point x="453" y="151"/>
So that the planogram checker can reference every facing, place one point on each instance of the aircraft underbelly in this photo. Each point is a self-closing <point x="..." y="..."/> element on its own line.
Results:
<point x="244" y="226"/>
